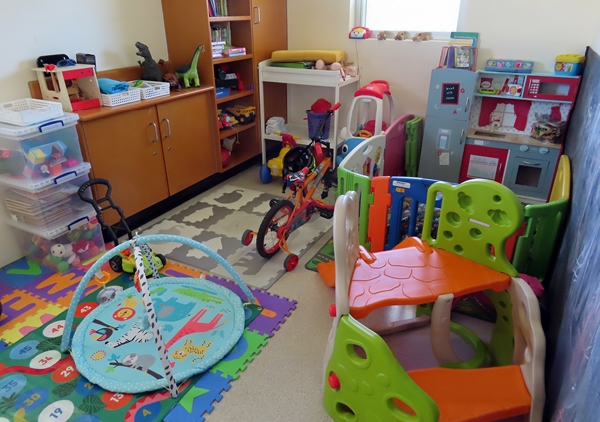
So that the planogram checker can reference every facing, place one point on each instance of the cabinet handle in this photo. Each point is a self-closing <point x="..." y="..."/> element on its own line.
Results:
<point x="467" y="104"/>
<point x="168" y="127"/>
<point x="500" y="169"/>
<point x="154" y="153"/>
<point x="529" y="163"/>
<point x="257" y="8"/>
<point x="155" y="131"/>
<point x="462" y="134"/>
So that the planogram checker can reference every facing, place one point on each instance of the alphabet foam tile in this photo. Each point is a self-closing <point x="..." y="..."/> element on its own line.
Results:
<point x="247" y="347"/>
<point x="16" y="307"/>
<point x="22" y="272"/>
<point x="276" y="309"/>
<point x="32" y="322"/>
<point x="200" y="398"/>
<point x="3" y="345"/>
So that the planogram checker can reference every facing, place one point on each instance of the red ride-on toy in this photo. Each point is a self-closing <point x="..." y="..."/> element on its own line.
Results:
<point x="307" y="169"/>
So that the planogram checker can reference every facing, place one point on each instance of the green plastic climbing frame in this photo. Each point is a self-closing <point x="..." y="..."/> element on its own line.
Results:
<point x="414" y="137"/>
<point x="475" y="216"/>
<point x="363" y="388"/>
<point x="534" y="248"/>
<point x="348" y="181"/>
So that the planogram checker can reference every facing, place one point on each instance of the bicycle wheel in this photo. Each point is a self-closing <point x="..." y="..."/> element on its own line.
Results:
<point x="267" y="242"/>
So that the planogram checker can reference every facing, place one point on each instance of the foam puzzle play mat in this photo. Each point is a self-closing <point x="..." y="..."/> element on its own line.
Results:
<point x="135" y="349"/>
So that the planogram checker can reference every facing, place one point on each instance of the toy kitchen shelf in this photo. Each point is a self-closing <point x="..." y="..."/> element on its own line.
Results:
<point x="532" y="87"/>
<point x="309" y="77"/>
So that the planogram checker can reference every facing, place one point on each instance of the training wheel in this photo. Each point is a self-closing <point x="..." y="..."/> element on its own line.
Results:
<point x="247" y="237"/>
<point x="290" y="262"/>
<point x="265" y="174"/>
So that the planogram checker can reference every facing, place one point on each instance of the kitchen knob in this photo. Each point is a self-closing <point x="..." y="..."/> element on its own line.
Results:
<point x="544" y="150"/>
<point x="524" y="148"/>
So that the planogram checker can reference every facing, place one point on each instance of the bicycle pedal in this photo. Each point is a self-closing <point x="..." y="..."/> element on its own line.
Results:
<point x="327" y="214"/>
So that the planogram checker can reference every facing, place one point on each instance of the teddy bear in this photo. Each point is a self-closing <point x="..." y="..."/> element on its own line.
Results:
<point x="70" y="251"/>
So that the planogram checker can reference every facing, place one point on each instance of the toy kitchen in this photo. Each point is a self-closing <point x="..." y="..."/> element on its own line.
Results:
<point x="503" y="123"/>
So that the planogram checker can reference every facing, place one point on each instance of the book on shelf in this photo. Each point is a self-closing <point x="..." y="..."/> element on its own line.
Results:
<point x="234" y="50"/>
<point x="234" y="54"/>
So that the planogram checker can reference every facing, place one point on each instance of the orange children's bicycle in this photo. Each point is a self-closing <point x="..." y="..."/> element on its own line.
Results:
<point x="307" y="169"/>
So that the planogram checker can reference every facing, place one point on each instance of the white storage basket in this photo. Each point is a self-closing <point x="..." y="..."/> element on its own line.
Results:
<point x="28" y="111"/>
<point x="120" y="98"/>
<point x="151" y="89"/>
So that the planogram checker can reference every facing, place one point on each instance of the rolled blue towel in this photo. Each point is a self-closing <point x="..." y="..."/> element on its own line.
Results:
<point x="110" y="86"/>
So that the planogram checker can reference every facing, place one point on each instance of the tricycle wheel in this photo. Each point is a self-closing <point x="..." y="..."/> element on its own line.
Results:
<point x="290" y="262"/>
<point x="116" y="264"/>
<point x="265" y="174"/>
<point x="247" y="237"/>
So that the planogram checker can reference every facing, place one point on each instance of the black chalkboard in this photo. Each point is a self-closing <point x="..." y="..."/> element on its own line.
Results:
<point x="450" y="93"/>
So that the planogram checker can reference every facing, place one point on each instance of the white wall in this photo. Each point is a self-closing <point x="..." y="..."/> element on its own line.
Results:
<point x="536" y="30"/>
<point x="107" y="28"/>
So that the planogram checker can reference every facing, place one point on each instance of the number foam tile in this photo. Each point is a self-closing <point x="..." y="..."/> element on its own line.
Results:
<point x="30" y="323"/>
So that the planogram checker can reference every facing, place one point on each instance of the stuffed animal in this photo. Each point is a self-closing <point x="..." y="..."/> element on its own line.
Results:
<point x="381" y="36"/>
<point x="70" y="251"/>
<point x="422" y="36"/>
<point x="401" y="36"/>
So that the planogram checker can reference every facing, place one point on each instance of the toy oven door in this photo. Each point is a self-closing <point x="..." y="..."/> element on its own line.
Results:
<point x="527" y="175"/>
<point x="551" y="88"/>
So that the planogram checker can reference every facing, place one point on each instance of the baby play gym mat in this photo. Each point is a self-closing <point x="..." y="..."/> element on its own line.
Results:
<point x="159" y="332"/>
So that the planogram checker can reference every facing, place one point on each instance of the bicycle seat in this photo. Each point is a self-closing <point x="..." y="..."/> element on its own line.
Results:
<point x="298" y="177"/>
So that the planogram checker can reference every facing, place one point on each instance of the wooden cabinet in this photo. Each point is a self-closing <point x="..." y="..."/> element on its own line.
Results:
<point x="124" y="149"/>
<point x="270" y="34"/>
<point x="187" y="141"/>
<point x="152" y="149"/>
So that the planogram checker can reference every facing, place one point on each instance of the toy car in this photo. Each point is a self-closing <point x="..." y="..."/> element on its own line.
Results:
<point x="226" y="120"/>
<point x="243" y="114"/>
<point x="125" y="261"/>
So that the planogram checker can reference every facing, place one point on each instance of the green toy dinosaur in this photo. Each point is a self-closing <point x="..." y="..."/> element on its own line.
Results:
<point x="190" y="72"/>
<point x="151" y="70"/>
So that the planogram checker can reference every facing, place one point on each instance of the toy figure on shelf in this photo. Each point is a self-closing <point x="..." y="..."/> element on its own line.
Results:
<point x="190" y="72"/>
<point x="151" y="70"/>
<point x="226" y="120"/>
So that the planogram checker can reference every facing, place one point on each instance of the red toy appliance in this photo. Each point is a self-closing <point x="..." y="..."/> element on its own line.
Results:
<point x="551" y="88"/>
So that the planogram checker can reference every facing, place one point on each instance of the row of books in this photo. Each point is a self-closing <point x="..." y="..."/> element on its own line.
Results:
<point x="221" y="49"/>
<point x="220" y="33"/>
<point x="217" y="8"/>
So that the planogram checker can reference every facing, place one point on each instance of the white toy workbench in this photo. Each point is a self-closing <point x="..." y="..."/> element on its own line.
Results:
<point x="310" y="77"/>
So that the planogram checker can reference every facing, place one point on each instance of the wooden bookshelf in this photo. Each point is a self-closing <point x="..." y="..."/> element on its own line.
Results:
<point x="260" y="26"/>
